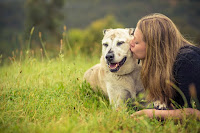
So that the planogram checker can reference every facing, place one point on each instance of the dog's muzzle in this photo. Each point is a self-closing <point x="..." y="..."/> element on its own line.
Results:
<point x="110" y="56"/>
<point x="113" y="66"/>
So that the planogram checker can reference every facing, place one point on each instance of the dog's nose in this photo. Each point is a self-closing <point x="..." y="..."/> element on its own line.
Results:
<point x="109" y="56"/>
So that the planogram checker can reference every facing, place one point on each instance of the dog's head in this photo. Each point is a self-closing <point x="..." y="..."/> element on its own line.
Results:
<point x="116" y="50"/>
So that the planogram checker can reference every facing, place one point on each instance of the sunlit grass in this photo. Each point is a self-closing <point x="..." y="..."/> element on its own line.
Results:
<point x="50" y="96"/>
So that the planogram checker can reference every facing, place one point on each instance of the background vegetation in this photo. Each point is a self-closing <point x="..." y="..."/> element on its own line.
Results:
<point x="47" y="45"/>
<point x="49" y="17"/>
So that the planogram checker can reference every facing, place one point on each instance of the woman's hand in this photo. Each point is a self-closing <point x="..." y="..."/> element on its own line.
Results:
<point x="148" y="112"/>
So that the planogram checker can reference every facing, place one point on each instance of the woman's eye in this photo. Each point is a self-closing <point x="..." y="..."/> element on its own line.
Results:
<point x="105" y="44"/>
<point x="136" y="43"/>
<point x="120" y="43"/>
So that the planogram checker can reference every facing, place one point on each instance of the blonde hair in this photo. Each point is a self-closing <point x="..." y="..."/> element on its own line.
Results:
<point x="163" y="41"/>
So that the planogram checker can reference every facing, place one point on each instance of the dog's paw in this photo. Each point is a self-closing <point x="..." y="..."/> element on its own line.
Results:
<point x="159" y="106"/>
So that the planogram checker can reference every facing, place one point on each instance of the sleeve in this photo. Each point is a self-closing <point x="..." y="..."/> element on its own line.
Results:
<point x="187" y="73"/>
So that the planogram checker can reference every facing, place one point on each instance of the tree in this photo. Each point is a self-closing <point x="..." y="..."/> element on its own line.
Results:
<point x="46" y="16"/>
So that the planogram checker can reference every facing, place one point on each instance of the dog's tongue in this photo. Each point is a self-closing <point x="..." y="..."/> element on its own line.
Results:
<point x="113" y="65"/>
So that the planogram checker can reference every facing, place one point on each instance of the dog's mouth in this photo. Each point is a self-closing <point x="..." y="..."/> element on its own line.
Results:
<point x="114" y="67"/>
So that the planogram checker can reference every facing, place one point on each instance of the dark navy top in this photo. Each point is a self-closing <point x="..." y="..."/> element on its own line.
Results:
<point x="187" y="71"/>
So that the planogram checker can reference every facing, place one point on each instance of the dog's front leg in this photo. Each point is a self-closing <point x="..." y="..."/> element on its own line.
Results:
<point x="117" y="95"/>
<point x="112" y="95"/>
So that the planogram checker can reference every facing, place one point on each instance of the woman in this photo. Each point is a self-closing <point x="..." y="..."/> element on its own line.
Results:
<point x="168" y="60"/>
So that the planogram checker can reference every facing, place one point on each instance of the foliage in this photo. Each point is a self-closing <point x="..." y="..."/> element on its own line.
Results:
<point x="11" y="25"/>
<point x="46" y="16"/>
<point x="51" y="96"/>
<point x="89" y="40"/>
<point x="185" y="13"/>
<point x="49" y="16"/>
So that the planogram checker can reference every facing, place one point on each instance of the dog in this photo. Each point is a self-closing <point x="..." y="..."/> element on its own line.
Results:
<point x="118" y="73"/>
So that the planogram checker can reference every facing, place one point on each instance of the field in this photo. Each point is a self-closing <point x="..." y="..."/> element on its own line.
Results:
<point x="50" y="96"/>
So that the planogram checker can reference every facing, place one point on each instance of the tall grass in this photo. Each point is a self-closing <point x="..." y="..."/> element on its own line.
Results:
<point x="51" y="96"/>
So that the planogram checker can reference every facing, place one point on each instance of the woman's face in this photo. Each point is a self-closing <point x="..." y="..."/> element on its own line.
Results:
<point x="138" y="46"/>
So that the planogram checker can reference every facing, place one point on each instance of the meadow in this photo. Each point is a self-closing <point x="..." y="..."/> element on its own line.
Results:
<point x="40" y="95"/>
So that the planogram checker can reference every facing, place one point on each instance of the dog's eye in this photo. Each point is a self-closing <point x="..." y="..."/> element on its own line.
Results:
<point x="105" y="44"/>
<point x="120" y="43"/>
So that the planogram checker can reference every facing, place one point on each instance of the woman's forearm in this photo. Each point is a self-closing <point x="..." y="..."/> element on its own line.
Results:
<point x="163" y="114"/>
<point x="177" y="113"/>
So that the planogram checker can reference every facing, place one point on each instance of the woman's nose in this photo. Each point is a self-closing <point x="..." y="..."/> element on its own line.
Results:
<point x="132" y="43"/>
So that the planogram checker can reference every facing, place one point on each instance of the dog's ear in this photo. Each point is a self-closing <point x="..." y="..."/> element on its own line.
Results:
<point x="131" y="31"/>
<point x="105" y="30"/>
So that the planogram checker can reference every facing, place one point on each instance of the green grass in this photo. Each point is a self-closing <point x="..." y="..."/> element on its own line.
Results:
<point x="51" y="96"/>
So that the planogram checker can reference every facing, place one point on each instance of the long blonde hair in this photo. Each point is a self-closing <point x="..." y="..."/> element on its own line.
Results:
<point x="163" y="41"/>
